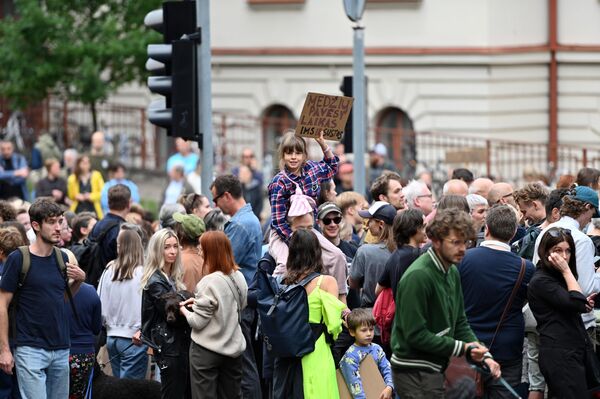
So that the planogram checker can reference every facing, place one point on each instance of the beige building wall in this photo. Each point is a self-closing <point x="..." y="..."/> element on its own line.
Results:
<point x="466" y="67"/>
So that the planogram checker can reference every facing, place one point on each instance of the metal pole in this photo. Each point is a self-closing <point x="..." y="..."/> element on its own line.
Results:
<point x="204" y="93"/>
<point x="358" y="114"/>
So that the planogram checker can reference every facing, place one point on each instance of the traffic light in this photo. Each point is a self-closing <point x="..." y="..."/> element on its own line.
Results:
<point x="173" y="65"/>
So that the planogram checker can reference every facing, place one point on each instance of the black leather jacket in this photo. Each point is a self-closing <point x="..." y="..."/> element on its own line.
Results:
<point x="166" y="339"/>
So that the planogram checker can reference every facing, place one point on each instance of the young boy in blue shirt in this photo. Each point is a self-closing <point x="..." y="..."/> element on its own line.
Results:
<point x="361" y="325"/>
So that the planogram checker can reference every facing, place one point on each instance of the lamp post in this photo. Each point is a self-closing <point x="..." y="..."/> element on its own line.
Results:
<point x="354" y="10"/>
<point x="204" y="94"/>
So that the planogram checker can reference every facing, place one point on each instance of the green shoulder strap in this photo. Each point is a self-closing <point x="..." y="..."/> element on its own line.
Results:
<point x="63" y="271"/>
<point x="60" y="259"/>
<point x="25" y="265"/>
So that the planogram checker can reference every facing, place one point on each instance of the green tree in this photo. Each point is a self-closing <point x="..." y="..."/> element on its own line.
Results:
<point x="79" y="50"/>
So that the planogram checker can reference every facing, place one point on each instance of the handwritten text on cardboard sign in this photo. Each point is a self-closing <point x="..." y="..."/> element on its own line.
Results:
<point x="326" y="113"/>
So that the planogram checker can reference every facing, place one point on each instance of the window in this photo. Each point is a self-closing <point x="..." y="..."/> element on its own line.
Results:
<point x="275" y="120"/>
<point x="395" y="130"/>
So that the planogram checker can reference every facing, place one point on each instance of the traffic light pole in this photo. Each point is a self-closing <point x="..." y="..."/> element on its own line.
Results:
<point x="358" y="112"/>
<point x="204" y="93"/>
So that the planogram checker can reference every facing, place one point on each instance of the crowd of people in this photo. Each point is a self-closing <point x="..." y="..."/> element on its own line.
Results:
<point x="503" y="277"/>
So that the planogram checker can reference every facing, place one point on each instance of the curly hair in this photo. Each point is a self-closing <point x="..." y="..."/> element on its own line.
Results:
<point x="532" y="192"/>
<point x="573" y="207"/>
<point x="448" y="220"/>
<point x="7" y="211"/>
<point x="9" y="241"/>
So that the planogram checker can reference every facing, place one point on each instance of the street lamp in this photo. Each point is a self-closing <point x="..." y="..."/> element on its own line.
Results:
<point x="354" y="10"/>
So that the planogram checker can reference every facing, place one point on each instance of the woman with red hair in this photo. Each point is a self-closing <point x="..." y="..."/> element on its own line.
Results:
<point x="217" y="339"/>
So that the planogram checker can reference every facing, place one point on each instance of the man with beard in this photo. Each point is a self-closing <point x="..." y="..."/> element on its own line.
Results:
<point x="430" y="324"/>
<point x="388" y="188"/>
<point x="41" y="353"/>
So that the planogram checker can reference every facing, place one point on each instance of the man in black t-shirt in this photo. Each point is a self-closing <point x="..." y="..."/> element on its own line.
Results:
<point x="41" y="353"/>
<point x="409" y="234"/>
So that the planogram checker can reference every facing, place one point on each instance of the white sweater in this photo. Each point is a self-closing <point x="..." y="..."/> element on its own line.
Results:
<point x="121" y="303"/>
<point x="214" y="320"/>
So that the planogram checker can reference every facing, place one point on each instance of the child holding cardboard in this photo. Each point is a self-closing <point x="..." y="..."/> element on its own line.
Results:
<point x="298" y="176"/>
<point x="297" y="171"/>
<point x="361" y="325"/>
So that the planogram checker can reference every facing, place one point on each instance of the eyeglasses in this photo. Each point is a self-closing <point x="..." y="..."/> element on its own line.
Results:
<point x="219" y="196"/>
<point x="508" y="195"/>
<point x="335" y="220"/>
<point x="425" y="195"/>
<point x="557" y="232"/>
<point x="458" y="243"/>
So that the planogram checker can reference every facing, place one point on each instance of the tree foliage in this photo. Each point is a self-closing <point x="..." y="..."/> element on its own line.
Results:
<point x="80" y="50"/>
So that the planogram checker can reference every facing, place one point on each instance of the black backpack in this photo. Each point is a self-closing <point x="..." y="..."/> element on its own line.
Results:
<point x="283" y="313"/>
<point x="90" y="255"/>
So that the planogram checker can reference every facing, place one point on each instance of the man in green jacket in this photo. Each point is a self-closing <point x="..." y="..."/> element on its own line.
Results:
<point x="430" y="324"/>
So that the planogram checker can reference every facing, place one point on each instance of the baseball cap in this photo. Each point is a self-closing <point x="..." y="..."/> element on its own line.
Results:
<point x="379" y="149"/>
<point x="192" y="225"/>
<point x="589" y="195"/>
<point x="380" y="210"/>
<point x="326" y="208"/>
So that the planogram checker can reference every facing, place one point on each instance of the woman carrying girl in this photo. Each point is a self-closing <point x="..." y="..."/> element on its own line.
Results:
<point x="312" y="376"/>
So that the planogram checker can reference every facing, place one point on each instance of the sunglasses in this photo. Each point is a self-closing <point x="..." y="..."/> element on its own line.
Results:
<point x="218" y="196"/>
<point x="558" y="232"/>
<point x="335" y="220"/>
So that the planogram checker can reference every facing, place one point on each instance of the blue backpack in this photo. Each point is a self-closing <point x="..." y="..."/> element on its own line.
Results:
<point x="283" y="312"/>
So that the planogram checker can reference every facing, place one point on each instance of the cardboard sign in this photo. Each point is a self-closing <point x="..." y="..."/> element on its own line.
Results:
<point x="326" y="113"/>
<point x="372" y="380"/>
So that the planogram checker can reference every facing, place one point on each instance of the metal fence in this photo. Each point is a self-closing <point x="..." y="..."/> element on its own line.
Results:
<point x="141" y="145"/>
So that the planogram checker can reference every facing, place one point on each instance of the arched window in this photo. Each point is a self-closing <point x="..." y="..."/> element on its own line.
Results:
<point x="395" y="130"/>
<point x="275" y="120"/>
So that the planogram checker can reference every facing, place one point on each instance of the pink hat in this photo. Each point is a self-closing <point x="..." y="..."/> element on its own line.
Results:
<point x="301" y="204"/>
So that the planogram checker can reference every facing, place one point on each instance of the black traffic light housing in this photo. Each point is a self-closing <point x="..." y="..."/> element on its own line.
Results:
<point x="174" y="66"/>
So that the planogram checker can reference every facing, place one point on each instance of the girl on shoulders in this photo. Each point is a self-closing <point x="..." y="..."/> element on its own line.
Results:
<point x="297" y="172"/>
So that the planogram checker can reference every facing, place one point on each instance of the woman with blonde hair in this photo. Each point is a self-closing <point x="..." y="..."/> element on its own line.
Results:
<point x="217" y="339"/>
<point x="163" y="274"/>
<point x="120" y="293"/>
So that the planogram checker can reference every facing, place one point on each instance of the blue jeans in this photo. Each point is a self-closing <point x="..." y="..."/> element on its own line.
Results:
<point x="126" y="362"/>
<point x="42" y="373"/>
